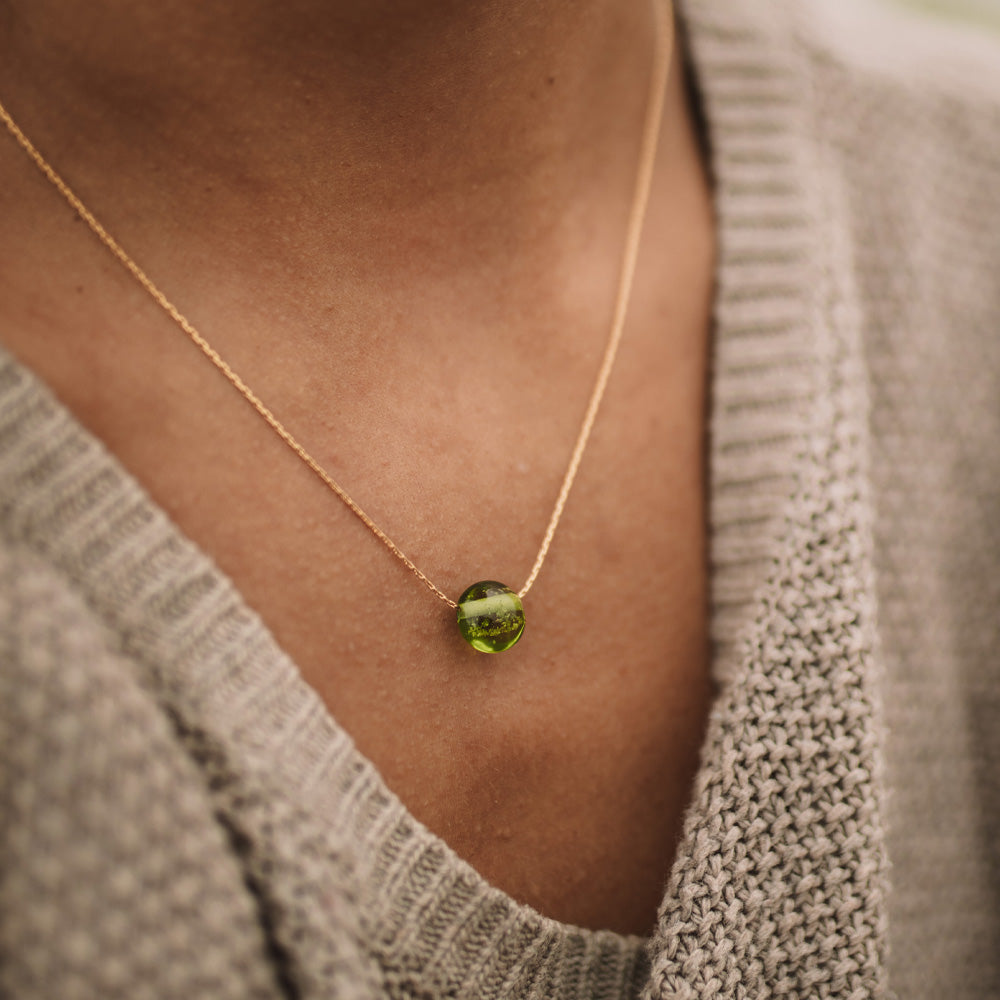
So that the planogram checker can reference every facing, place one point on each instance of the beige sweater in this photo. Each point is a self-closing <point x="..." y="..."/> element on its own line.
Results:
<point x="180" y="817"/>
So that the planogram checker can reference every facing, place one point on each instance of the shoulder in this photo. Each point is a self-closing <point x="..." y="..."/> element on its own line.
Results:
<point x="883" y="46"/>
<point x="134" y="853"/>
<point x="917" y="89"/>
<point x="106" y="828"/>
<point x="902" y="106"/>
<point x="906" y="111"/>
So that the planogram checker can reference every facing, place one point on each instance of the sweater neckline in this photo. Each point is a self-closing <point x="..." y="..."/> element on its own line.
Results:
<point x="204" y="650"/>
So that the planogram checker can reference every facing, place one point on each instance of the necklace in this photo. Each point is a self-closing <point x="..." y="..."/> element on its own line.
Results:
<point x="490" y="615"/>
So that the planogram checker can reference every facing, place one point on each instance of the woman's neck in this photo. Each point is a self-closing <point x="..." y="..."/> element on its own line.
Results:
<point x="360" y="106"/>
<point x="454" y="166"/>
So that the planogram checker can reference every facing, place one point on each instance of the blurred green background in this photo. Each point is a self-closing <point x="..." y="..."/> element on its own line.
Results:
<point x="985" y="12"/>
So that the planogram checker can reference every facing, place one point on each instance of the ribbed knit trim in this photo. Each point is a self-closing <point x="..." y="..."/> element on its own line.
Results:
<point x="436" y="928"/>
<point x="764" y="355"/>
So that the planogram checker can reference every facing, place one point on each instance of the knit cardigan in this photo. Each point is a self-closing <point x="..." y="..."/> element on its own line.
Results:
<point x="181" y="817"/>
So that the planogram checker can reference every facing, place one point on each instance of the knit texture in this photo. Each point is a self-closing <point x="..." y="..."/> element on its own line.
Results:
<point x="181" y="816"/>
<point x="927" y="256"/>
<point x="779" y="884"/>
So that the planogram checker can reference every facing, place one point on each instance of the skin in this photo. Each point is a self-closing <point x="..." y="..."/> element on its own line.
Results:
<point x="403" y="226"/>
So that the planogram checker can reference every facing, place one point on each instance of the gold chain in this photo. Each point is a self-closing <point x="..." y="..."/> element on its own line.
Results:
<point x="647" y="156"/>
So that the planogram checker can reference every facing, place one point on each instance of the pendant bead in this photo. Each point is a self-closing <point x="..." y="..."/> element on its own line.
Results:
<point x="490" y="616"/>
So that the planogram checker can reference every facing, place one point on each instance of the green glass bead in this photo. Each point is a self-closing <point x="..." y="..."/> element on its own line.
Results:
<point x="490" y="616"/>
